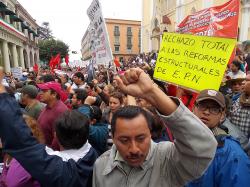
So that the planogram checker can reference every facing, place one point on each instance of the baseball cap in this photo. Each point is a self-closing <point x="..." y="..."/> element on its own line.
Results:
<point x="51" y="85"/>
<point x="212" y="95"/>
<point x="30" y="90"/>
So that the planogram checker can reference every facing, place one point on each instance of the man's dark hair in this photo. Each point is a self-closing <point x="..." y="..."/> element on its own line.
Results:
<point x="54" y="92"/>
<point x="91" y="85"/>
<point x="81" y="94"/>
<point x="47" y="78"/>
<point x="130" y="112"/>
<point x="95" y="113"/>
<point x="79" y="75"/>
<point x="72" y="129"/>
<point x="237" y="64"/>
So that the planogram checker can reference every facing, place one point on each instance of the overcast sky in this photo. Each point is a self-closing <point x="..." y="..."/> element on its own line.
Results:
<point x="68" y="18"/>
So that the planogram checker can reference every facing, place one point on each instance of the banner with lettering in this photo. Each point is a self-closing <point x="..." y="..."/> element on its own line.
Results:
<point x="220" y="21"/>
<point x="99" y="40"/>
<point x="196" y="62"/>
<point x="17" y="72"/>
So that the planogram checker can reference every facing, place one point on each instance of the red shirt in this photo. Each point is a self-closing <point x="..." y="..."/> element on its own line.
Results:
<point x="47" y="118"/>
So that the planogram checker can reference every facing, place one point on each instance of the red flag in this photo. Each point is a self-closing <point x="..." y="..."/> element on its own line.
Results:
<point x="67" y="59"/>
<point x="117" y="63"/>
<point x="54" y="61"/>
<point x="35" y="68"/>
<point x="219" y="21"/>
<point x="51" y="62"/>
<point x="57" y="59"/>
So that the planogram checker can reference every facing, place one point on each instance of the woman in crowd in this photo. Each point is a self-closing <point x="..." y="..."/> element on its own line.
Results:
<point x="235" y="70"/>
<point x="115" y="102"/>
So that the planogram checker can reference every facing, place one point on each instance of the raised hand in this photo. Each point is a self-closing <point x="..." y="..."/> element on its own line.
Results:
<point x="135" y="82"/>
<point x="90" y="100"/>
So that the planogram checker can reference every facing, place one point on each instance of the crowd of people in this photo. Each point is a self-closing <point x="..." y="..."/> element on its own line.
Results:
<point x="120" y="127"/>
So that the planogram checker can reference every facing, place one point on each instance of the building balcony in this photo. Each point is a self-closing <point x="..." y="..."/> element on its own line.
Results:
<point x="117" y="43"/>
<point x="116" y="33"/>
<point x="129" y="45"/>
<point x="11" y="28"/>
<point x="129" y="33"/>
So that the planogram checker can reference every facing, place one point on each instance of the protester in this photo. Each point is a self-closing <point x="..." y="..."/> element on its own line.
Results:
<point x="240" y="109"/>
<point x="79" y="81"/>
<point x="98" y="131"/>
<point x="89" y="88"/>
<point x="78" y="98"/>
<point x="72" y="166"/>
<point x="103" y="93"/>
<point x="230" y="166"/>
<point x="65" y="81"/>
<point x="115" y="102"/>
<point x="235" y="70"/>
<point x="135" y="160"/>
<point x="28" y="98"/>
<point x="50" y="95"/>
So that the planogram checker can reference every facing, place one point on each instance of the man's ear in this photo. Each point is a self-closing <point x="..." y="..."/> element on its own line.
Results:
<point x="223" y="116"/>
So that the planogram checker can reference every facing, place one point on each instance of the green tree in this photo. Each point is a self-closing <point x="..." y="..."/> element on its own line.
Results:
<point x="51" y="47"/>
<point x="44" y="31"/>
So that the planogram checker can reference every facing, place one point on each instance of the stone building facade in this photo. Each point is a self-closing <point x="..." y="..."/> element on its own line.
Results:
<point x="124" y="37"/>
<point x="18" y="36"/>
<point x="165" y="15"/>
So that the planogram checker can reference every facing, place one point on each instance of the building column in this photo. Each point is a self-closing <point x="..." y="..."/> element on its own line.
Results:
<point x="21" y="57"/>
<point x="6" y="58"/>
<point x="14" y="54"/>
<point x="31" y="58"/>
<point x="245" y="22"/>
<point x="28" y="60"/>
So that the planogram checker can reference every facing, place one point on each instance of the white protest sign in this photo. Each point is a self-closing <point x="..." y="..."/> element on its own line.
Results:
<point x="17" y="72"/>
<point x="99" y="40"/>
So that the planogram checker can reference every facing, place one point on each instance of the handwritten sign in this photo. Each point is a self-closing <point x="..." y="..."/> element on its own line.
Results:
<point x="17" y="72"/>
<point x="196" y="62"/>
<point x="99" y="39"/>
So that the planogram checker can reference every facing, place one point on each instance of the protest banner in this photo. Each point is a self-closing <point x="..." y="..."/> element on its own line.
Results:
<point x="99" y="40"/>
<point x="17" y="72"/>
<point x="196" y="62"/>
<point x="220" y="21"/>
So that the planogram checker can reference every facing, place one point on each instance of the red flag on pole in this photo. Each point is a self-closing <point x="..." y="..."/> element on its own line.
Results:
<point x="51" y="62"/>
<point x="35" y="68"/>
<point x="117" y="63"/>
<point x="67" y="59"/>
<point x="57" y="59"/>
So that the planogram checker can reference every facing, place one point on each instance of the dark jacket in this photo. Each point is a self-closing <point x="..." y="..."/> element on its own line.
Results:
<point x="98" y="135"/>
<point x="98" y="132"/>
<point x="230" y="167"/>
<point x="50" y="168"/>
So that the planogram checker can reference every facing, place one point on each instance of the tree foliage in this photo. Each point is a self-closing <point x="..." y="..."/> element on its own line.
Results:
<point x="51" y="47"/>
<point x="44" y="31"/>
